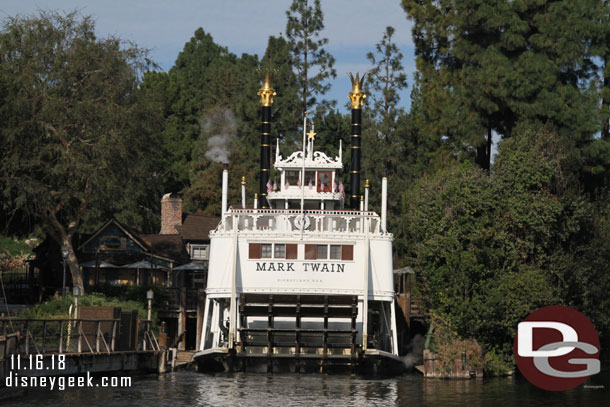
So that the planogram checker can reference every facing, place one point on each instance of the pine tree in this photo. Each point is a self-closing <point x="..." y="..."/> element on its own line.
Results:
<point x="286" y="117"/>
<point x="384" y="82"/>
<point x="233" y="115"/>
<point x="484" y="67"/>
<point x="201" y="79"/>
<point x="304" y="27"/>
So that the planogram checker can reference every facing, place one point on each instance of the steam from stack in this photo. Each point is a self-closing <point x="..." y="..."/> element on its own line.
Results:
<point x="220" y="126"/>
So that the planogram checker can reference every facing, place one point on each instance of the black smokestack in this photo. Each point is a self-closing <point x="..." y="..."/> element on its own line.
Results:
<point x="357" y="98"/>
<point x="266" y="93"/>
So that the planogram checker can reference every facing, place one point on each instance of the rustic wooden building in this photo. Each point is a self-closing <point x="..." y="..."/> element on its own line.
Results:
<point x="176" y="260"/>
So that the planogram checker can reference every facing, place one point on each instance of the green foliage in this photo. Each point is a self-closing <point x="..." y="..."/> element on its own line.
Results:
<point x="286" y="118"/>
<point x="498" y="364"/>
<point x="493" y="248"/>
<point x="130" y="293"/>
<point x="58" y="308"/>
<point x="75" y="136"/>
<point x="312" y="63"/>
<point x="450" y="346"/>
<point x="202" y="78"/>
<point x="207" y="90"/>
<point x="53" y="308"/>
<point x="384" y="82"/>
<point x="12" y="247"/>
<point x="485" y="66"/>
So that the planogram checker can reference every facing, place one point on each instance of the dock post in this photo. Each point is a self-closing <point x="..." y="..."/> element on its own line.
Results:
<point x="61" y="336"/>
<point x="113" y="341"/>
<point x="26" y="328"/>
<point x="97" y="337"/>
<point x="144" y="335"/>
<point x="79" y="333"/>
<point x="162" y="362"/>
<point x="44" y="336"/>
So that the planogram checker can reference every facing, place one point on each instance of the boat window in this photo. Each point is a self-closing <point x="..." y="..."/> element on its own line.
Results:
<point x="292" y="177"/>
<point x="265" y="251"/>
<point x="324" y="181"/>
<point x="335" y="252"/>
<point x="322" y="252"/>
<point x="280" y="251"/>
<point x="310" y="177"/>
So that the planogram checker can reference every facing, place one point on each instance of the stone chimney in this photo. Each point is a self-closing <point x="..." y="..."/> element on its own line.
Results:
<point x="171" y="214"/>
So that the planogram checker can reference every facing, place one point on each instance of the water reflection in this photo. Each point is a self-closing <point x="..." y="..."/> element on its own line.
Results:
<point x="189" y="389"/>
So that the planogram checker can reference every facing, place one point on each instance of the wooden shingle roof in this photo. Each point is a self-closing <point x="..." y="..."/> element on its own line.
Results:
<point x="197" y="227"/>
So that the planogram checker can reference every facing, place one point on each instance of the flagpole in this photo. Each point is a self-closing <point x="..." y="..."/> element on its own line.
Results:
<point x="303" y="177"/>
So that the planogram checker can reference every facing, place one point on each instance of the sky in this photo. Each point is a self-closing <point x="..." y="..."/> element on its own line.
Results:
<point x="243" y="26"/>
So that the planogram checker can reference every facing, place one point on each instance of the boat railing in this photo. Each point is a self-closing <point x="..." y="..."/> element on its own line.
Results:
<point x="293" y="220"/>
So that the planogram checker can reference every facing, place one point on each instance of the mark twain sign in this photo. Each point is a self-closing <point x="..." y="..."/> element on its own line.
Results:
<point x="300" y="267"/>
<point x="305" y="274"/>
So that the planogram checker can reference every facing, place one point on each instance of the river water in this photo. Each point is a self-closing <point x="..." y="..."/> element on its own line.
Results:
<point x="191" y="389"/>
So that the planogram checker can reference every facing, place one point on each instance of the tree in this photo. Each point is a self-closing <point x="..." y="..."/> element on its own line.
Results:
<point x="491" y="248"/>
<point x="485" y="66"/>
<point x="384" y="82"/>
<point x="73" y="134"/>
<point x="201" y="78"/>
<point x="210" y="90"/>
<point x="303" y="29"/>
<point x="286" y="117"/>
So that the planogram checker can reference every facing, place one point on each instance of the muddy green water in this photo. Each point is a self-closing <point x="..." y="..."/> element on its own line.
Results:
<point x="190" y="389"/>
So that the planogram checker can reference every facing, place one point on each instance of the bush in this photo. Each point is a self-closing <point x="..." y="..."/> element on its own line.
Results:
<point x="57" y="308"/>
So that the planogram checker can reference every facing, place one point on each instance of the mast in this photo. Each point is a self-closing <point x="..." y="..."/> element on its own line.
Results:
<point x="357" y="98"/>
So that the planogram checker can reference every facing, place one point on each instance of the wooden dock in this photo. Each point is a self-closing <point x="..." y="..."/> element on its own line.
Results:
<point x="83" y="345"/>
<point x="184" y="359"/>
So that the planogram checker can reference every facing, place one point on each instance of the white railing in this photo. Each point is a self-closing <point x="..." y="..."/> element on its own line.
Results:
<point x="292" y="220"/>
<point x="294" y="192"/>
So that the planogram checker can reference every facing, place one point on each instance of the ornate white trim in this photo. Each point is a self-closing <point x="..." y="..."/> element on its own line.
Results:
<point x="319" y="160"/>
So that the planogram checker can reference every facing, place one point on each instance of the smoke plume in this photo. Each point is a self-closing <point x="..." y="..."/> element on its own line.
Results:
<point x="219" y="127"/>
<point x="415" y="352"/>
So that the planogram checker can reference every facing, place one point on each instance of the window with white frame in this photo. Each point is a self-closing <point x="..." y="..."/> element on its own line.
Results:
<point x="292" y="177"/>
<point x="199" y="251"/>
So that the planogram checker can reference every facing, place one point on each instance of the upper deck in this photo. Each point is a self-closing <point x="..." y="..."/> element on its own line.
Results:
<point x="339" y="224"/>
<point x="332" y="252"/>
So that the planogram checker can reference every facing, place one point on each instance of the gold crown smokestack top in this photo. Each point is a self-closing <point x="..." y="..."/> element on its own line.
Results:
<point x="357" y="99"/>
<point x="266" y="94"/>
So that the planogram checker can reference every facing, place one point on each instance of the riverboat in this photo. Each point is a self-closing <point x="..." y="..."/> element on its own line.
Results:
<point x="299" y="282"/>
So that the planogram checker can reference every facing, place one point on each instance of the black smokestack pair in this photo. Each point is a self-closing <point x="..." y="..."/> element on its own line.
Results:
<point x="357" y="98"/>
<point x="266" y="93"/>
